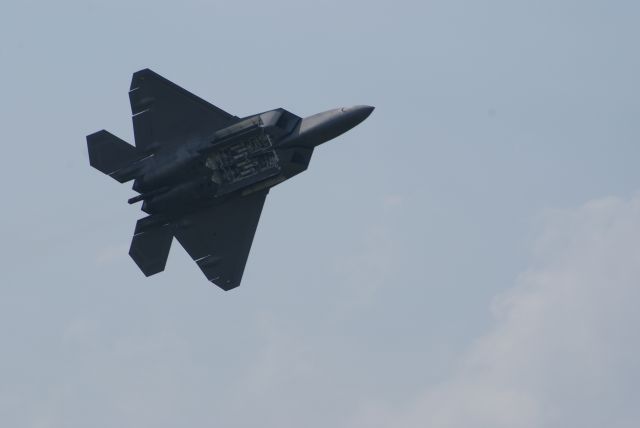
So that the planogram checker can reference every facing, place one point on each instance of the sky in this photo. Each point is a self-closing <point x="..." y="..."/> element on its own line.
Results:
<point x="467" y="256"/>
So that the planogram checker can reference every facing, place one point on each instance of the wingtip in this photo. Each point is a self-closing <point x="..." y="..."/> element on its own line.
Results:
<point x="226" y="285"/>
<point x="139" y="76"/>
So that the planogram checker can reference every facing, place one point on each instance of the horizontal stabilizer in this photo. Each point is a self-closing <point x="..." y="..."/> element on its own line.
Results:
<point x="150" y="246"/>
<point x="111" y="155"/>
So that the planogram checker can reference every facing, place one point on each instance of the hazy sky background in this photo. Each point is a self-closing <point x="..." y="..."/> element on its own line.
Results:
<point x="468" y="256"/>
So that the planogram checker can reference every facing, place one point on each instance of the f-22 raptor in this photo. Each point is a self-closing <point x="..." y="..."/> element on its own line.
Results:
<point x="203" y="174"/>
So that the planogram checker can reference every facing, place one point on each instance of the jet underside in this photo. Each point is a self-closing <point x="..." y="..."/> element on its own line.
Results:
<point x="203" y="174"/>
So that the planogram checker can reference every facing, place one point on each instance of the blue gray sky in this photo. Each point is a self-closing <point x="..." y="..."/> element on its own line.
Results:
<point x="468" y="256"/>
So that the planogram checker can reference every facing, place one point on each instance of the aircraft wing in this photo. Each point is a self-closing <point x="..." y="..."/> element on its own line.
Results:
<point x="219" y="238"/>
<point x="164" y="114"/>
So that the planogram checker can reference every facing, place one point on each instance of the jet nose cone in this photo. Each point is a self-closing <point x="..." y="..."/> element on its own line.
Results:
<point x="319" y="128"/>
<point x="358" y="113"/>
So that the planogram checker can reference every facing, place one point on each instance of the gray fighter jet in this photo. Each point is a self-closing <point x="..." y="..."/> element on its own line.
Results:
<point x="203" y="174"/>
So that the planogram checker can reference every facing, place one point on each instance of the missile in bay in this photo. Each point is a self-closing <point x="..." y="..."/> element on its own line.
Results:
<point x="203" y="174"/>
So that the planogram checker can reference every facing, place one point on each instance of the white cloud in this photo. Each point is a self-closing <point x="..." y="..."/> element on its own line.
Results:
<point x="564" y="348"/>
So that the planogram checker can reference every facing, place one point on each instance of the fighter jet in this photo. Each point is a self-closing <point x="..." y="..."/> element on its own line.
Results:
<point x="203" y="174"/>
